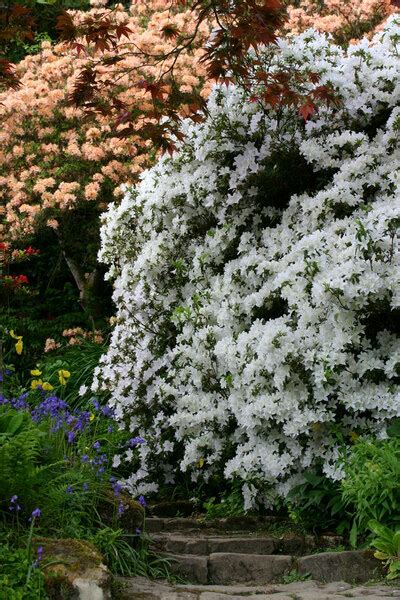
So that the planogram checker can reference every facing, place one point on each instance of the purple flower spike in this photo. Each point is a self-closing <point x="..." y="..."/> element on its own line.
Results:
<point x="96" y="446"/>
<point x="136" y="441"/>
<point x="121" y="508"/>
<point x="36" y="513"/>
<point x="142" y="501"/>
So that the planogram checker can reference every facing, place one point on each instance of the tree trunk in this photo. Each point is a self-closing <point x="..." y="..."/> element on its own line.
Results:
<point x="87" y="284"/>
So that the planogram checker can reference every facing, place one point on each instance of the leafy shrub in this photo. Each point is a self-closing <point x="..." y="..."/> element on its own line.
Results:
<point x="387" y="545"/>
<point x="250" y="331"/>
<point x="14" y="566"/>
<point x="371" y="483"/>
<point x="230" y="504"/>
<point x="317" y="504"/>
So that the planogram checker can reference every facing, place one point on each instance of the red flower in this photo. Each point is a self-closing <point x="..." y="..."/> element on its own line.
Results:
<point x="20" y="279"/>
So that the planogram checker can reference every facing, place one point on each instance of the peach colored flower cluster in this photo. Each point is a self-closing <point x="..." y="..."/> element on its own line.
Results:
<point x="346" y="20"/>
<point x="51" y="158"/>
<point x="74" y="337"/>
<point x="51" y="345"/>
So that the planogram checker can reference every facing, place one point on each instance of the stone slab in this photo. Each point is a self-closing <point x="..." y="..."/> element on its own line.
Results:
<point x="351" y="566"/>
<point x="190" y="566"/>
<point x="227" y="568"/>
<point x="255" y="545"/>
<point x="217" y="596"/>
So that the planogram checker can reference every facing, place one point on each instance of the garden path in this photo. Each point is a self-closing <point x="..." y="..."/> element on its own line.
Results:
<point x="143" y="589"/>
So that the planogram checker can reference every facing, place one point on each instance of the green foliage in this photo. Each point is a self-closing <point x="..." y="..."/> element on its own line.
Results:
<point x="371" y="484"/>
<point x="229" y="505"/>
<point x="20" y="579"/>
<point x="14" y="565"/>
<point x="20" y="445"/>
<point x="125" y="559"/>
<point x="317" y="504"/>
<point x="387" y="545"/>
<point x="80" y="360"/>
<point x="294" y="576"/>
<point x="45" y="14"/>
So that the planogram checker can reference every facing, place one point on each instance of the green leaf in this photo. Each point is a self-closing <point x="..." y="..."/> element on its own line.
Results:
<point x="394" y="429"/>
<point x="353" y="535"/>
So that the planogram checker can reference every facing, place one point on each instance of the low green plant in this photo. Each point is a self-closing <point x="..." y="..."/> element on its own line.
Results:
<point x="317" y="504"/>
<point x="371" y="488"/>
<point x="129" y="555"/>
<point x="20" y="574"/>
<point x="294" y="576"/>
<point x="387" y="546"/>
<point x="229" y="505"/>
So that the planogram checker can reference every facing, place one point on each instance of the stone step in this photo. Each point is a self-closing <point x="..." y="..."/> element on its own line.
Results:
<point x="226" y="568"/>
<point x="203" y="543"/>
<point x="245" y="523"/>
<point x="223" y="568"/>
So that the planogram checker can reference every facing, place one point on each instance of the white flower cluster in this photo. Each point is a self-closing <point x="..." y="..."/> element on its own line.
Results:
<point x="257" y="280"/>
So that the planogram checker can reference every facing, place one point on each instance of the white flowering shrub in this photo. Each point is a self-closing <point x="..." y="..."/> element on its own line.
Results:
<point x="257" y="280"/>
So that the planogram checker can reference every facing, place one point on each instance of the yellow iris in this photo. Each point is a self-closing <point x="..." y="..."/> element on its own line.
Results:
<point x="47" y="386"/>
<point x="63" y="376"/>
<point x="36" y="372"/>
<point x="35" y="383"/>
<point x="19" y="346"/>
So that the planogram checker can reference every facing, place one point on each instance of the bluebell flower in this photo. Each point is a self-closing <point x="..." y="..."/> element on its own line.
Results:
<point x="40" y="552"/>
<point x="142" y="501"/>
<point x="14" y="506"/>
<point x="69" y="489"/>
<point x="117" y="488"/>
<point x="121" y="508"/>
<point x="97" y="446"/>
<point x="85" y="458"/>
<point x="107" y="411"/>
<point x="36" y="513"/>
<point x="136" y="441"/>
<point x="85" y="487"/>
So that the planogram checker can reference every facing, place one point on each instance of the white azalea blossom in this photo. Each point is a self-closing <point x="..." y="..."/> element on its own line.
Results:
<point x="258" y="306"/>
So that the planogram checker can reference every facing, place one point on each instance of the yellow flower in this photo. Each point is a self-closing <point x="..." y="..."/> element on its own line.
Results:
<point x="63" y="376"/>
<point x="47" y="386"/>
<point x="92" y="417"/>
<point x="36" y="372"/>
<point x="35" y="383"/>
<point x="201" y="463"/>
<point x="20" y="344"/>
